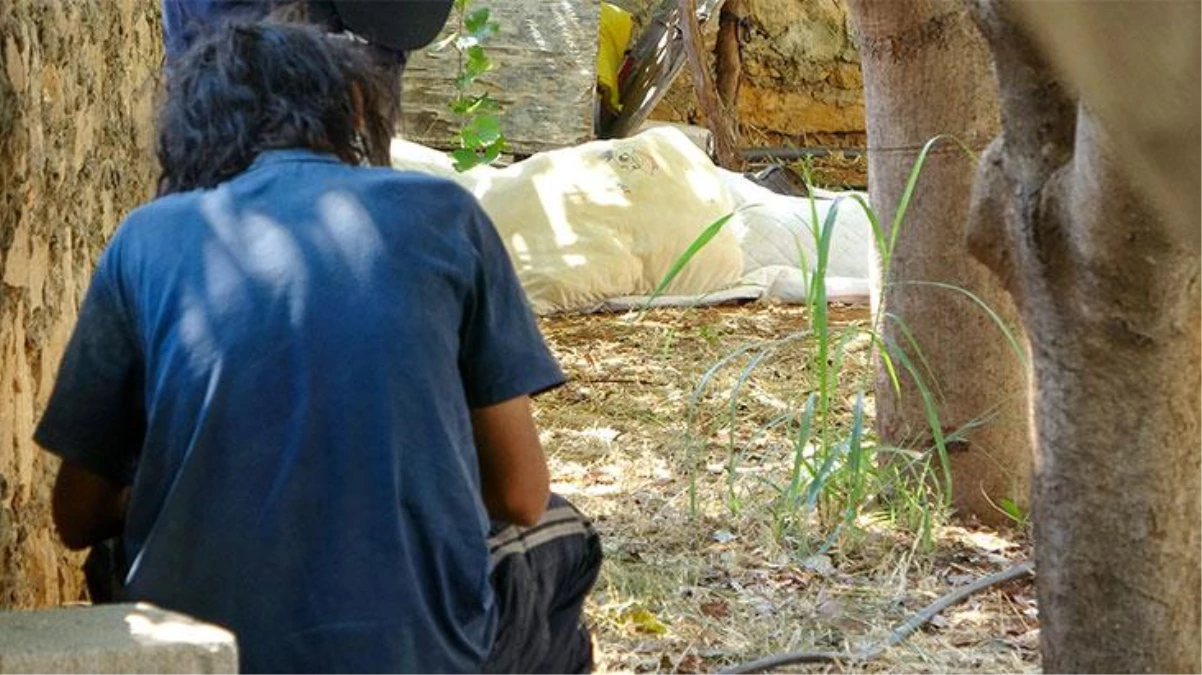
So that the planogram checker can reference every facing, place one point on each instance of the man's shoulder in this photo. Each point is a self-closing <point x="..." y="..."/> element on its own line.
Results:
<point x="442" y="190"/>
<point x="176" y="210"/>
<point x="173" y="204"/>
<point x="421" y="199"/>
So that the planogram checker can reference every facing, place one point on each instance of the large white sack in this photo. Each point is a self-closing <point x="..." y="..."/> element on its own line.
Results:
<point x="776" y="234"/>
<point x="603" y="219"/>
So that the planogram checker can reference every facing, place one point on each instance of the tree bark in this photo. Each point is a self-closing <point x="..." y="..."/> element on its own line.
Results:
<point x="1159" y="143"/>
<point x="76" y="147"/>
<point x="725" y="150"/>
<point x="926" y="72"/>
<point x="1109" y="293"/>
<point x="728" y="58"/>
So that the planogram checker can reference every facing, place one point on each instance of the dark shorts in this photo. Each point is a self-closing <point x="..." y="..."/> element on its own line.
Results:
<point x="541" y="576"/>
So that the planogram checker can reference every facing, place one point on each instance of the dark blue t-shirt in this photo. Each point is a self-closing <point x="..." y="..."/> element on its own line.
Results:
<point x="283" y="366"/>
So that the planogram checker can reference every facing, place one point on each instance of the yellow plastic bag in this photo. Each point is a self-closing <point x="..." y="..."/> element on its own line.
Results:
<point x="616" y="26"/>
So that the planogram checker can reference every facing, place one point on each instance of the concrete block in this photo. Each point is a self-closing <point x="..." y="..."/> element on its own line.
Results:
<point x="129" y="638"/>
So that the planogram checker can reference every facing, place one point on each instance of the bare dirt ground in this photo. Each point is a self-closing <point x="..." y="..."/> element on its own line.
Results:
<point x="687" y="594"/>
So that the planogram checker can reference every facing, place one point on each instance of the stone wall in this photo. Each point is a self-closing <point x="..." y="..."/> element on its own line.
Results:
<point x="800" y="84"/>
<point x="77" y="79"/>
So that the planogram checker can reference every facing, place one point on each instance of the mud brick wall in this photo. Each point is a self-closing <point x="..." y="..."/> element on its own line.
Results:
<point x="800" y="80"/>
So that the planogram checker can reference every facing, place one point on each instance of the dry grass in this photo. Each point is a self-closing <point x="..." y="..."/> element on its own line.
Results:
<point x="694" y="595"/>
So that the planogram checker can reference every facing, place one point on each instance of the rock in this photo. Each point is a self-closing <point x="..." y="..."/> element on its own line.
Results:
<point x="819" y="564"/>
<point x="124" y="638"/>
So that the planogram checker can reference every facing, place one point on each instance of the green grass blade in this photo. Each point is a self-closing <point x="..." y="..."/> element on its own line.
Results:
<point x="733" y="460"/>
<point x="690" y="457"/>
<point x="805" y="427"/>
<point x="904" y="329"/>
<point x="903" y="204"/>
<point x="878" y="234"/>
<point x="819" y="481"/>
<point x="695" y="400"/>
<point x="886" y="360"/>
<point x="840" y="350"/>
<point x="693" y="249"/>
<point x="855" y="460"/>
<point x="932" y="415"/>
<point x="1011" y="337"/>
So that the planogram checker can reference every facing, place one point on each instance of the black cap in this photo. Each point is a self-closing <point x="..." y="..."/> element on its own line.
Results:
<point x="398" y="25"/>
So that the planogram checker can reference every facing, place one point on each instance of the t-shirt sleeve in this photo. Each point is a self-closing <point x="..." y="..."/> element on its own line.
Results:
<point x="502" y="353"/>
<point x="95" y="416"/>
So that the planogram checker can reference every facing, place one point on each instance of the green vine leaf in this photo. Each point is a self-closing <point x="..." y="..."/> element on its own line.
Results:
<point x="477" y="21"/>
<point x="464" y="159"/>
<point x="487" y="129"/>
<point x="481" y="139"/>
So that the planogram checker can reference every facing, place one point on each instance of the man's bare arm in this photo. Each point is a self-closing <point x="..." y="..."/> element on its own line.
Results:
<point x="513" y="471"/>
<point x="87" y="508"/>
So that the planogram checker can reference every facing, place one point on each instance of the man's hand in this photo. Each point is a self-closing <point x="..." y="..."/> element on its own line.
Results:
<point x="513" y="470"/>
<point x="87" y="508"/>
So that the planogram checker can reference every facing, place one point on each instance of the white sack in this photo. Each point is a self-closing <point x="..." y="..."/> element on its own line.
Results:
<point x="602" y="219"/>
<point x="776" y="235"/>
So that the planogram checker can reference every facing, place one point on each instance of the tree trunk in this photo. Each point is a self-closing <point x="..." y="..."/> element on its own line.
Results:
<point x="75" y="156"/>
<point x="926" y="72"/>
<point x="716" y="118"/>
<point x="1158" y="62"/>
<point x="728" y="57"/>
<point x="1109" y="294"/>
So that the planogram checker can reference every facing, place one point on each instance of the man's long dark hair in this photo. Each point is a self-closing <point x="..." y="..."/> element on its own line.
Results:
<point x="251" y="87"/>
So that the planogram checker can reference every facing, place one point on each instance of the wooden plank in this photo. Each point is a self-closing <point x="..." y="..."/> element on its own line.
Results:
<point x="544" y="74"/>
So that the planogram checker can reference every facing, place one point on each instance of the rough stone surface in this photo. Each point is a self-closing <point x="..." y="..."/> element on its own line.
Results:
<point x="113" y="639"/>
<point x="76" y="86"/>
<point x="544" y="73"/>
<point x="800" y="85"/>
<point x="801" y="56"/>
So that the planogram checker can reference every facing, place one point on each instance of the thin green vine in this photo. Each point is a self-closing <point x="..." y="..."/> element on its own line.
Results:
<point x="480" y="138"/>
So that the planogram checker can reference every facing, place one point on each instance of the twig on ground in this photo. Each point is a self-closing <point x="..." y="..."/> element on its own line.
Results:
<point x="616" y="380"/>
<point x="900" y="633"/>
